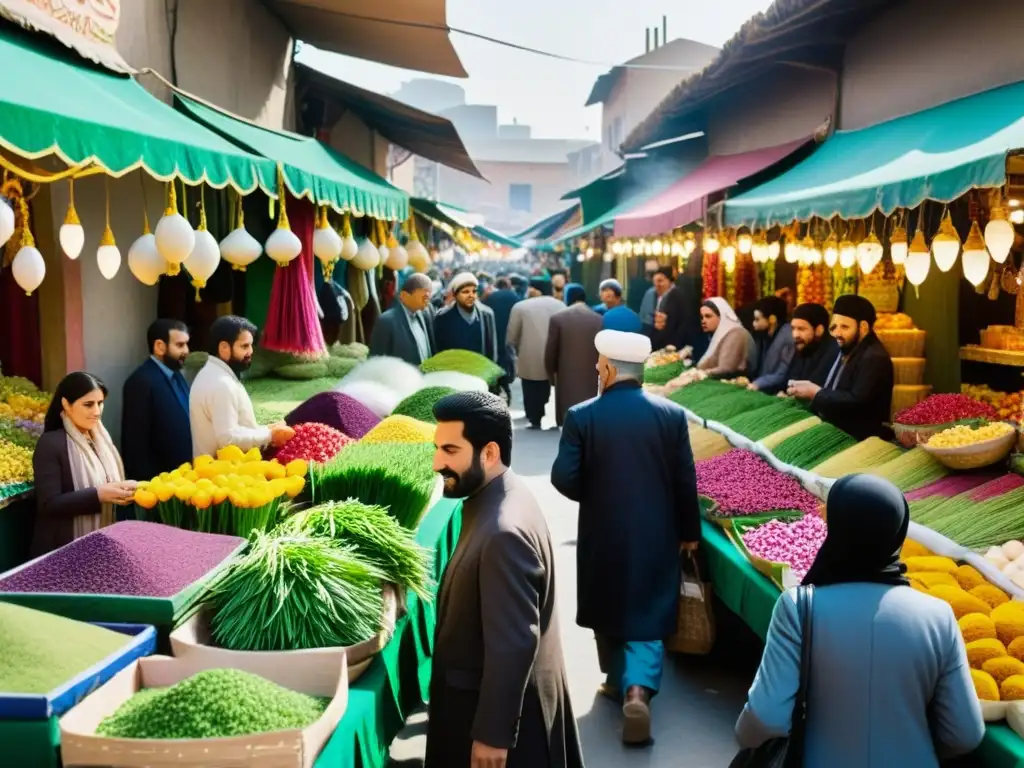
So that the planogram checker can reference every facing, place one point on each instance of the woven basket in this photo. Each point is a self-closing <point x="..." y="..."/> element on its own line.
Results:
<point x="695" y="617"/>
<point x="908" y="371"/>
<point x="907" y="396"/>
<point x="884" y="296"/>
<point x="903" y="343"/>
<point x="910" y="435"/>
<point x="975" y="456"/>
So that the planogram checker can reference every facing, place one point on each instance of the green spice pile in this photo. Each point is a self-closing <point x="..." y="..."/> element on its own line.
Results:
<point x="377" y="537"/>
<point x="420" y="405"/>
<point x="813" y="446"/>
<point x="731" y="404"/>
<point x="290" y="593"/>
<point x="398" y="476"/>
<point x="984" y="516"/>
<point x="659" y="375"/>
<point x="693" y="394"/>
<point x="42" y="651"/>
<point x="914" y="469"/>
<point x="214" y="704"/>
<point x="464" y="361"/>
<point x="759" y="423"/>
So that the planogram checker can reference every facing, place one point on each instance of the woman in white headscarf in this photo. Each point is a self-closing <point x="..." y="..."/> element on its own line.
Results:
<point x="731" y="345"/>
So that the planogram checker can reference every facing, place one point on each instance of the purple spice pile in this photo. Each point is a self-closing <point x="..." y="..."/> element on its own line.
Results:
<point x="950" y="486"/>
<point x="344" y="413"/>
<point x="795" y="544"/>
<point x="127" y="558"/>
<point x="744" y="484"/>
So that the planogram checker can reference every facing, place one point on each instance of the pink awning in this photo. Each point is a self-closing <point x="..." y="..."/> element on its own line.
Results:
<point x="686" y="201"/>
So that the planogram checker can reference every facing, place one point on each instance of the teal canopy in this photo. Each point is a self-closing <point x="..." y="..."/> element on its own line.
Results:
<point x="312" y="169"/>
<point x="483" y="233"/>
<point x="938" y="154"/>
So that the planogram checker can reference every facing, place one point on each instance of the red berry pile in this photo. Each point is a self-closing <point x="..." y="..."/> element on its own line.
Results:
<point x="313" y="442"/>
<point x="943" y="409"/>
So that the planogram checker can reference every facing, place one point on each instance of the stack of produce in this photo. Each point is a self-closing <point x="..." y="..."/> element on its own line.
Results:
<point x="745" y="281"/>
<point x="420" y="405"/>
<point x="659" y="375"/>
<point x="983" y="516"/>
<point x="964" y="435"/>
<point x="22" y="407"/>
<point x="236" y="493"/>
<point x="376" y="536"/>
<point x="398" y="476"/>
<point x="43" y="651"/>
<point x="936" y="413"/>
<point x="810" y="285"/>
<point x="460" y="382"/>
<point x="772" y="441"/>
<point x="312" y="442"/>
<point x="707" y="444"/>
<point x="213" y="704"/>
<point x="464" y="361"/>
<point x="400" y="429"/>
<point x="393" y="373"/>
<point x="759" y="423"/>
<point x="914" y="469"/>
<point x="291" y="593"/>
<point x="127" y="558"/>
<point x="21" y="399"/>
<point x="664" y="356"/>
<point x="731" y="403"/>
<point x="1009" y="559"/>
<point x="23" y="433"/>
<point x="861" y="457"/>
<point x="688" y="377"/>
<point x="15" y="465"/>
<point x="744" y="484"/>
<point x="699" y="391"/>
<point x="710" y="274"/>
<point x="789" y="542"/>
<point x="336" y="410"/>
<point x="932" y="498"/>
<point x="1008" y="405"/>
<point x="812" y="446"/>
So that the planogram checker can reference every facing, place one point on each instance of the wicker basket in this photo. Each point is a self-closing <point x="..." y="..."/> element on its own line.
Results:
<point x="884" y="296"/>
<point x="903" y="343"/>
<point x="975" y="456"/>
<point x="908" y="371"/>
<point x="907" y="396"/>
<point x="695" y="617"/>
<point x="910" y="435"/>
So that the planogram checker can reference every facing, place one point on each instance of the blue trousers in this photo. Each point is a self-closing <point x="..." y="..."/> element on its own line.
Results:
<point x="629" y="663"/>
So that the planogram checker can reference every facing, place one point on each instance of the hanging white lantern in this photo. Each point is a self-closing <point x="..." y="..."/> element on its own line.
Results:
<point x="919" y="260"/>
<point x="239" y="248"/>
<point x="7" y="225"/>
<point x="870" y="253"/>
<point x="946" y="244"/>
<point x="283" y="246"/>
<point x="690" y="244"/>
<point x="792" y="251"/>
<point x="205" y="256"/>
<point x="745" y="243"/>
<point x="349" y="245"/>
<point x="71" y="235"/>
<point x="28" y="267"/>
<point x="367" y="257"/>
<point x="419" y="259"/>
<point x="847" y="254"/>
<point x="326" y="245"/>
<point x="144" y="259"/>
<point x="398" y="257"/>
<point x="759" y="248"/>
<point x="975" y="258"/>
<point x="657" y="248"/>
<point x="175" y="237"/>
<point x="830" y="252"/>
<point x="999" y="235"/>
<point x="711" y="244"/>
<point x="774" y="248"/>
<point x="898" y="245"/>
<point x="108" y="255"/>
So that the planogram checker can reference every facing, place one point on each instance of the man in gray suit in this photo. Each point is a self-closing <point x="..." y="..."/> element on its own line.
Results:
<point x="406" y="330"/>
<point x="498" y="691"/>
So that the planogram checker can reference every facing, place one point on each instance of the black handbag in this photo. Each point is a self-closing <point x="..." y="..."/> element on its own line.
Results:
<point x="788" y="751"/>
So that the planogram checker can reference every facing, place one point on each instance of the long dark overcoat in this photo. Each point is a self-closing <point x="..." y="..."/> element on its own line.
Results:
<point x="571" y="358"/>
<point x="625" y="457"/>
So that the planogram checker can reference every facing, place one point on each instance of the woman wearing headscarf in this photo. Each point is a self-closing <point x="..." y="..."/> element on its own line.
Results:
<point x="731" y="347"/>
<point x="79" y="476"/>
<point x="889" y="681"/>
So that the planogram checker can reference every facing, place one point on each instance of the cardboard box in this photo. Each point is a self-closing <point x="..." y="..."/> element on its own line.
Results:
<point x="80" y="746"/>
<point x="192" y="641"/>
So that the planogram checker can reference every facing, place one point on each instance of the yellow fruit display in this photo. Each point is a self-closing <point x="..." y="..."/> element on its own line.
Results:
<point x="894" y="322"/>
<point x="980" y="651"/>
<point x="15" y="463"/>
<point x="964" y="435"/>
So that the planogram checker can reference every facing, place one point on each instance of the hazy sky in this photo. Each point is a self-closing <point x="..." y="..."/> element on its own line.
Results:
<point x="546" y="93"/>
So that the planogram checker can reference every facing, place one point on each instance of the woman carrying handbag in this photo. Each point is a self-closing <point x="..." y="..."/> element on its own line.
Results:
<point x="887" y="679"/>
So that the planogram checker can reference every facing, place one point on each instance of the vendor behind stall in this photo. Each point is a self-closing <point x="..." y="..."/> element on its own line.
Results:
<point x="857" y="393"/>
<point x="816" y="350"/>
<point x="731" y="347"/>
<point x="775" y="345"/>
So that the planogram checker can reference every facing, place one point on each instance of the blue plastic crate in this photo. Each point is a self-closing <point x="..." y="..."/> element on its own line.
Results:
<point x="37" y="706"/>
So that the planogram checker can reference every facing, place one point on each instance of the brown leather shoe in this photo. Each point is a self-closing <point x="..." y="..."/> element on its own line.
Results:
<point x="636" y="713"/>
<point x="609" y="692"/>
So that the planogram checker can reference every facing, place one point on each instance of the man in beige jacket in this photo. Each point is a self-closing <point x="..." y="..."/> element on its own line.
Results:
<point x="528" y="335"/>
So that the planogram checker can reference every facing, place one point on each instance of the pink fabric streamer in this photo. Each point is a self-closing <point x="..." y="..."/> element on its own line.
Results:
<point x="292" y="323"/>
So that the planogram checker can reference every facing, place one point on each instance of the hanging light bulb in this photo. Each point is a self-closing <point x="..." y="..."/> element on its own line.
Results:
<point x="999" y="235"/>
<point x="108" y="255"/>
<point x="174" y="235"/>
<point x="870" y="253"/>
<point x="239" y="248"/>
<point x="745" y="243"/>
<point x="580" y="257"/>
<point x="144" y="259"/>
<point x="830" y="251"/>
<point x="627" y="248"/>
<point x="728" y="252"/>
<point x="711" y="243"/>
<point x="1017" y="216"/>
<point x="205" y="256"/>
<point x="71" y="235"/>
<point x="617" y="247"/>
<point x="847" y="254"/>
<point x="7" y="225"/>
<point x="657" y="248"/>
<point x="677" y="249"/>
<point x="690" y="244"/>
<point x="28" y="267"/>
<point x="898" y="245"/>
<point x="774" y="248"/>
<point x="946" y="244"/>
<point x="759" y="248"/>
<point x="975" y="258"/>
<point x="919" y="260"/>
<point x="607" y="256"/>
<point x="792" y="251"/>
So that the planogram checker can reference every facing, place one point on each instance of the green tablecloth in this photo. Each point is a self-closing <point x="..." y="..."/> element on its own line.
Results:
<point x="751" y="596"/>
<point x="398" y="680"/>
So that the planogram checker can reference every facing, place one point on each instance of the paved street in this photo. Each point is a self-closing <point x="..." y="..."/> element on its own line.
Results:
<point x="695" y="712"/>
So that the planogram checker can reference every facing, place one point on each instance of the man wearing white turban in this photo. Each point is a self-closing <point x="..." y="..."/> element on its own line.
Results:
<point x="466" y="323"/>
<point x="637" y="490"/>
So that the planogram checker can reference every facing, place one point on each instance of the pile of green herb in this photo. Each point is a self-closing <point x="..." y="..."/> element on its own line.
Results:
<point x="698" y="391"/>
<point x="42" y="651"/>
<point x="420" y="405"/>
<point x="377" y="537"/>
<point x="289" y="593"/>
<point x="273" y="398"/>
<point x="464" y="361"/>
<point x="214" y="704"/>
<point x="813" y="446"/>
<point x="352" y="351"/>
<point x="660" y="375"/>
<point x="730" y="404"/>
<point x="398" y="476"/>
<point x="758" y="423"/>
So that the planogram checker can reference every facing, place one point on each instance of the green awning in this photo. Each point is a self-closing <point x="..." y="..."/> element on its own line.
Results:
<point x="483" y="233"/>
<point x="434" y="211"/>
<point x="312" y="169"/>
<point x="938" y="154"/>
<point x="52" y="105"/>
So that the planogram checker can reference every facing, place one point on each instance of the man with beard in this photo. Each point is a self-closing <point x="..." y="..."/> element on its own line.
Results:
<point x="498" y="691"/>
<point x="466" y="323"/>
<point x="625" y="456"/>
<point x="857" y="393"/>
<point x="816" y="350"/>
<point x="155" y="433"/>
<point x="775" y="346"/>
<point x="220" y="409"/>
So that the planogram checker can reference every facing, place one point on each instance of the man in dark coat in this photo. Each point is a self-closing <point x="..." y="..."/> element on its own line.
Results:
<point x="816" y="350"/>
<point x="406" y="331"/>
<point x="498" y="691"/>
<point x="155" y="432"/>
<point x="466" y="323"/>
<point x="500" y="301"/>
<point x="625" y="457"/>
<point x="671" y="321"/>
<point x="570" y="356"/>
<point x="857" y="394"/>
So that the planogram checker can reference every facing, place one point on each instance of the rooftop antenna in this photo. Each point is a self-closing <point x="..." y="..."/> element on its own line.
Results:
<point x="648" y="43"/>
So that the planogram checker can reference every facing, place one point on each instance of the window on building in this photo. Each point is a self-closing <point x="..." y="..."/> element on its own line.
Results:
<point x="520" y="197"/>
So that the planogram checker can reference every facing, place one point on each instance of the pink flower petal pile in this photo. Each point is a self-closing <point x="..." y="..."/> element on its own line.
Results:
<point x="744" y="484"/>
<point x="794" y="543"/>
